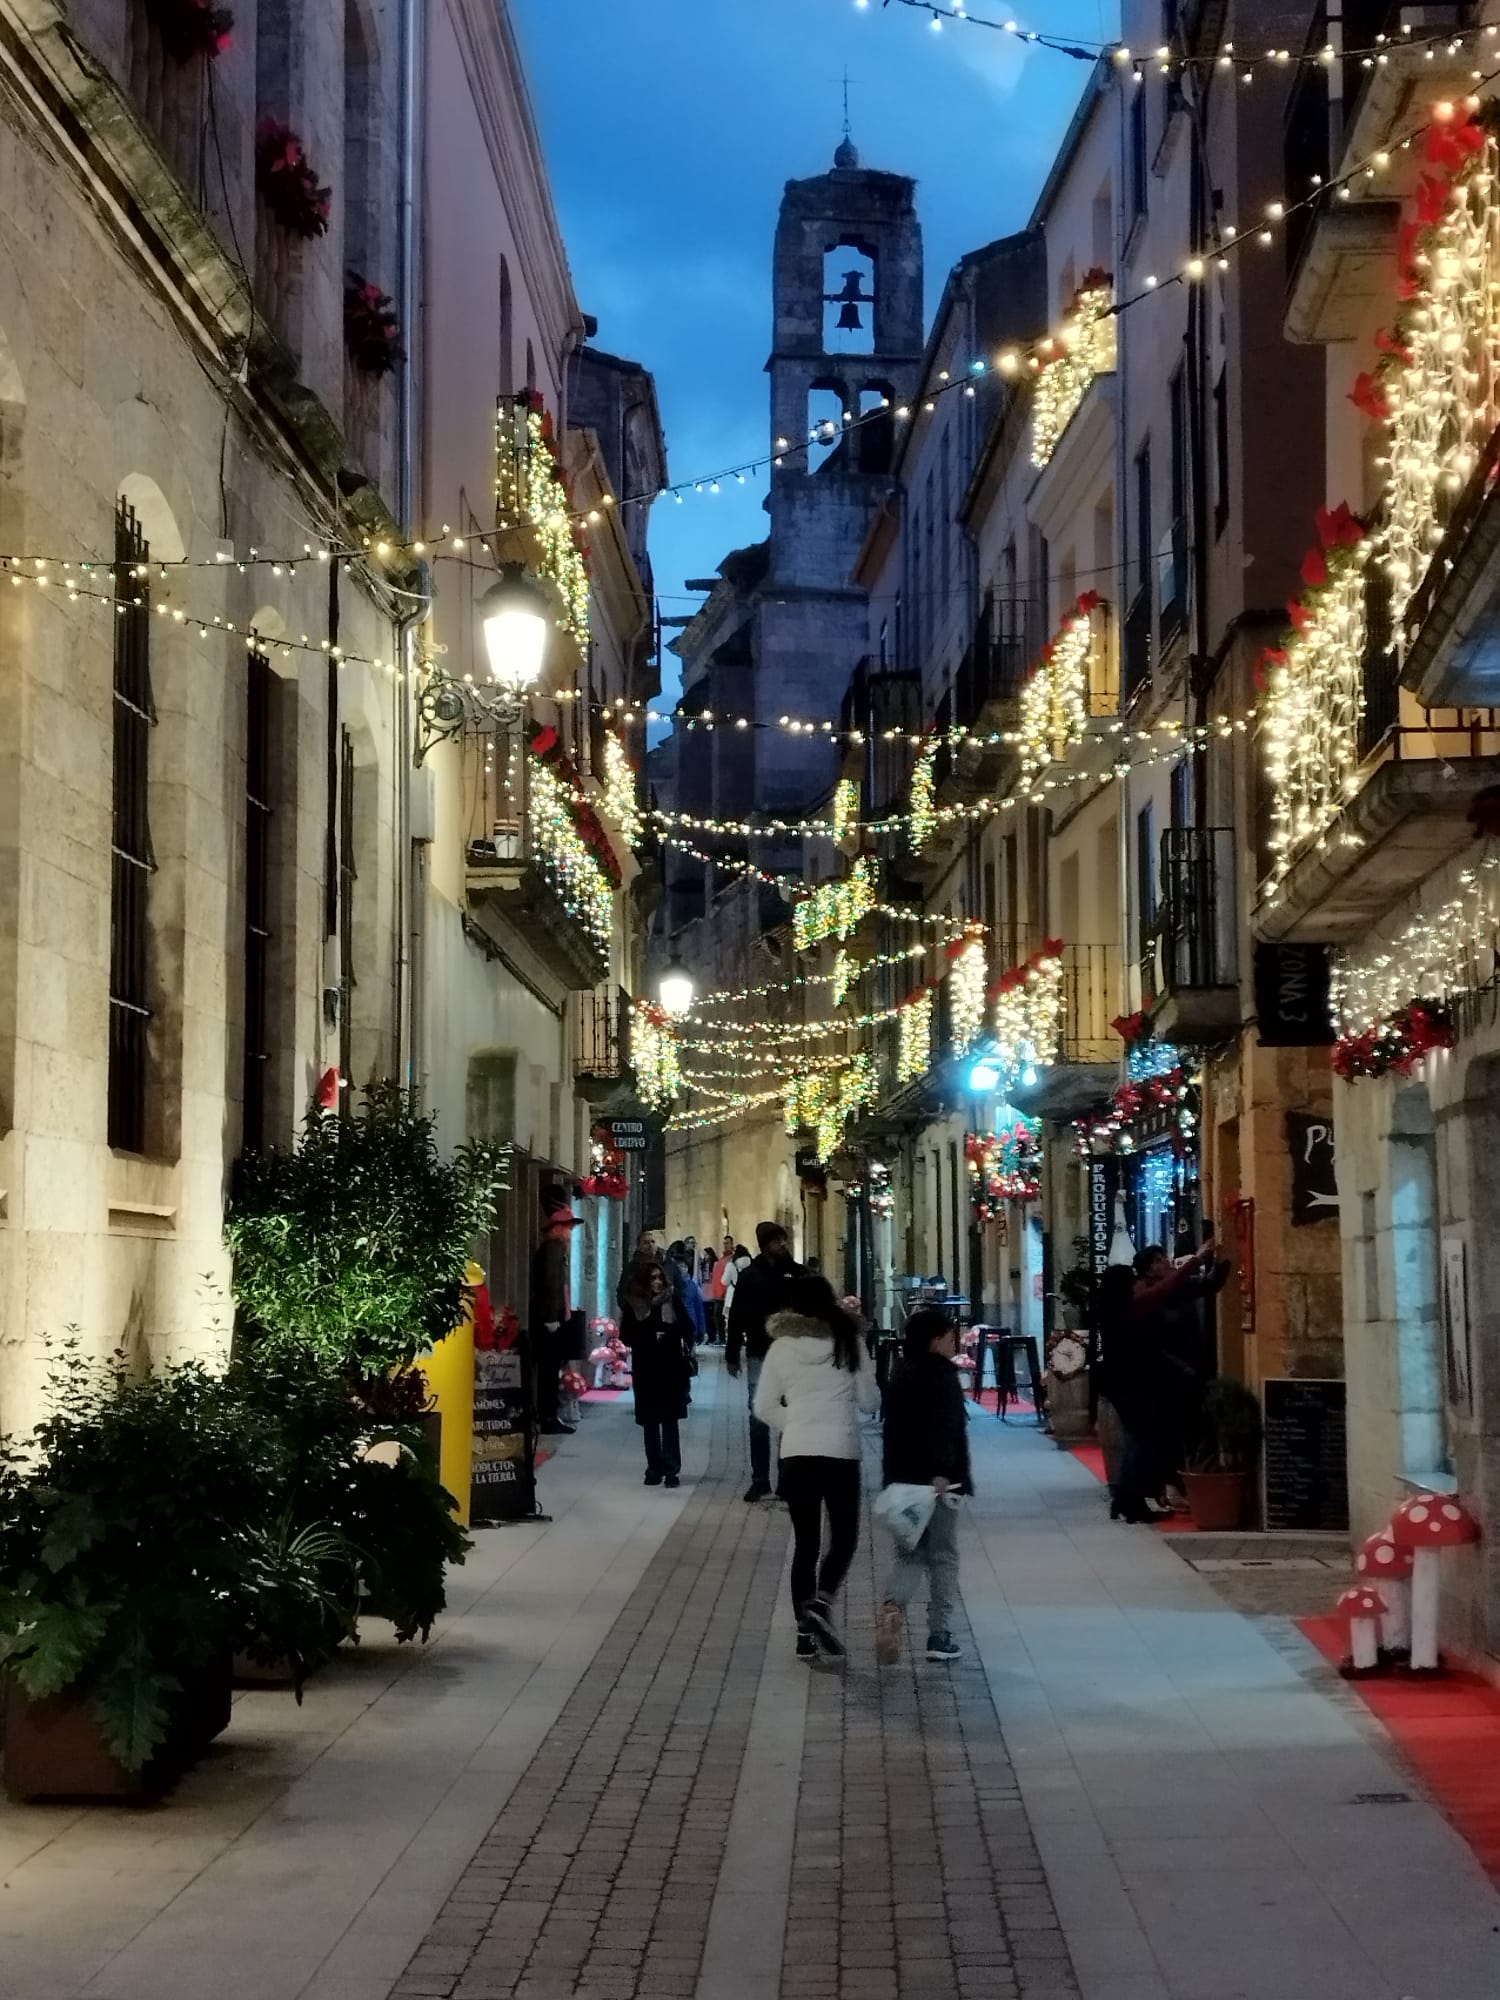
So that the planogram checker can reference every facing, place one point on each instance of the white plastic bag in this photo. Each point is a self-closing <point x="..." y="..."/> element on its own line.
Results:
<point x="907" y="1511"/>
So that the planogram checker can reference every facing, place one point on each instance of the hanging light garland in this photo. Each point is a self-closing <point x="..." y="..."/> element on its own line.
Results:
<point x="921" y="821"/>
<point x="1004" y="1166"/>
<point x="621" y="791"/>
<point x="563" y="854"/>
<point x="914" y="1043"/>
<point x="1435" y="383"/>
<point x="1055" y="699"/>
<point x="845" y="972"/>
<point x="845" y="817"/>
<point x="654" y="1057"/>
<point x="835" y="909"/>
<point x="1449" y="951"/>
<point x="531" y="487"/>
<point x="966" y="991"/>
<point x="1315" y="684"/>
<point x="1028" y="1019"/>
<point x="1069" y="360"/>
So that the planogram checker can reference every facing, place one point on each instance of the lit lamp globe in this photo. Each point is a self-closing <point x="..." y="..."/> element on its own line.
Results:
<point x="514" y="615"/>
<point x="984" y="1076"/>
<point x="675" y="988"/>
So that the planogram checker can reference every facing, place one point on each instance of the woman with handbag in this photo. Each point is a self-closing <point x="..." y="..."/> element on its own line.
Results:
<point x="656" y="1330"/>
<point x="814" y="1383"/>
<point x="926" y="1445"/>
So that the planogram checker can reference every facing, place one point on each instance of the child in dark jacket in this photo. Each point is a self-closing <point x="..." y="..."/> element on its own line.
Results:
<point x="926" y="1444"/>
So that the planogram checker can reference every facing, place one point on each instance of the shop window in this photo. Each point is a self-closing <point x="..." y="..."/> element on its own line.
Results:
<point x="132" y="860"/>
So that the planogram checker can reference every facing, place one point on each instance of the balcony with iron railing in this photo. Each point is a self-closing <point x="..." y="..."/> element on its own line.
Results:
<point x="1087" y="1064"/>
<point x="1407" y="804"/>
<point x="1344" y="112"/>
<point x="1190" y="976"/>
<point x="601" y="1044"/>
<point x="539" y="867"/>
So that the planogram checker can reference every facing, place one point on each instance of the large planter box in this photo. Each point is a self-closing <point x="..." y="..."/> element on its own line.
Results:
<point x="54" y="1749"/>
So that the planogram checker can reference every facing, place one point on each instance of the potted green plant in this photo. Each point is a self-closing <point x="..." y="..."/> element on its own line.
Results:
<point x="353" y="1245"/>
<point x="122" y="1560"/>
<point x="1223" y="1462"/>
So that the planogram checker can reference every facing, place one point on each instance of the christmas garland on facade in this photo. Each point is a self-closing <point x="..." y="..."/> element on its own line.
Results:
<point x="531" y="487"/>
<point x="1083" y="347"/>
<point x="288" y="186"/>
<point x="1396" y="1046"/>
<point x="372" y="330"/>
<point x="191" y="29"/>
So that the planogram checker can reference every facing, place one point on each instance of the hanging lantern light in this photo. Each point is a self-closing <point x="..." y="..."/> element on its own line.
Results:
<point x="514" y="615"/>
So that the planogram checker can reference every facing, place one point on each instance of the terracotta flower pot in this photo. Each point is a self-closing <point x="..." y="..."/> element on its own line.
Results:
<point x="1216" y="1499"/>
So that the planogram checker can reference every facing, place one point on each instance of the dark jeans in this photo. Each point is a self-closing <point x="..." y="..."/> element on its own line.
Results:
<point x="663" y="1446"/>
<point x="810" y="1486"/>
<point x="546" y="1352"/>
<point x="760" y="1434"/>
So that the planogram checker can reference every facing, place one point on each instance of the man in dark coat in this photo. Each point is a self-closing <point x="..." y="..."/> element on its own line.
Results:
<point x="551" y="1306"/>
<point x="757" y="1295"/>
<point x="1170" y="1301"/>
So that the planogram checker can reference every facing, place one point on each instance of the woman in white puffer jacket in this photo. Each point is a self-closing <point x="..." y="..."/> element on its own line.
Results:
<point x="814" y="1385"/>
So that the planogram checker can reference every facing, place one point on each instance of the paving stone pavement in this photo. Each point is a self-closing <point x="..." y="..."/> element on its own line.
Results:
<point x="912" y="1872"/>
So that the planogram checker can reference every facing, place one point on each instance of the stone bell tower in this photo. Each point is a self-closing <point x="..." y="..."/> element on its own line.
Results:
<point x="847" y="307"/>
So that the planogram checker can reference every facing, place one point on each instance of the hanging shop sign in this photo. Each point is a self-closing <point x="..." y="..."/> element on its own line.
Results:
<point x="1104" y="1185"/>
<point x="1307" y="1481"/>
<point x="1293" y="996"/>
<point x="1315" y="1188"/>
<point x="811" y="1171"/>
<point x="629" y="1135"/>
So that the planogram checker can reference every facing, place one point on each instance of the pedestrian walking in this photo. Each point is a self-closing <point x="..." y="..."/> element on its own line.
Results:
<point x="680" y="1262"/>
<point x="815" y="1382"/>
<point x="661" y="1367"/>
<point x="716" y="1290"/>
<point x="1128" y="1374"/>
<point x="550" y="1307"/>
<point x="758" y="1291"/>
<point x="926" y="1444"/>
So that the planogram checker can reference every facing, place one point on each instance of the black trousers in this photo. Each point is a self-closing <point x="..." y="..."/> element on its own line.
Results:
<point x="812" y="1487"/>
<point x="663" y="1446"/>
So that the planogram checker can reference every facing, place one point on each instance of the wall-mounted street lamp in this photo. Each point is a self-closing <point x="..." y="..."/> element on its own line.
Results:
<point x="514" y="614"/>
<point x="675" y="990"/>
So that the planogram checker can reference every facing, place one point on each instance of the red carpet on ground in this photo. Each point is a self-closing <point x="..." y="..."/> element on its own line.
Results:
<point x="1448" y="1730"/>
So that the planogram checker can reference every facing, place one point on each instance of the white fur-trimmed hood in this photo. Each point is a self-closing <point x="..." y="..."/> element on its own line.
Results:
<point x="797" y="1326"/>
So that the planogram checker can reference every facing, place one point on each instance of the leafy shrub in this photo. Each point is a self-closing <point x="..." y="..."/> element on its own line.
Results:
<point x="354" y="1244"/>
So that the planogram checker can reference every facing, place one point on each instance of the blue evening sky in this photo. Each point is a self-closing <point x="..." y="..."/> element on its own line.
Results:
<point x="670" y="128"/>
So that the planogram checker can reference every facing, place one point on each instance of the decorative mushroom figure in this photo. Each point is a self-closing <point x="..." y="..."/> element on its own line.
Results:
<point x="1383" y="1562"/>
<point x="1427" y="1524"/>
<point x="1362" y="1605"/>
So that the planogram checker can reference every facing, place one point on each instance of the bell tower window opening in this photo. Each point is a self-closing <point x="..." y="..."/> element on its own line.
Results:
<point x="826" y="411"/>
<point x="848" y="300"/>
<point x="877" y="433"/>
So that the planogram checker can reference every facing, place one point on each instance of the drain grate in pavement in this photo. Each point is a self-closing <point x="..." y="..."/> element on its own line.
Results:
<point x="1382" y="1798"/>
<point x="1209" y="1564"/>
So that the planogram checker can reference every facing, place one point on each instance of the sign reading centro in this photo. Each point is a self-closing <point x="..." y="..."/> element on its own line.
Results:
<point x="630" y="1135"/>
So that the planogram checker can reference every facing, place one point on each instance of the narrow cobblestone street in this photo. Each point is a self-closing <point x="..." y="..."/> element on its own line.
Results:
<point x="608" y="1777"/>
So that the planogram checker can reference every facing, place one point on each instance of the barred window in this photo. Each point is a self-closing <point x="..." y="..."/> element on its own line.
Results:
<point x="133" y="863"/>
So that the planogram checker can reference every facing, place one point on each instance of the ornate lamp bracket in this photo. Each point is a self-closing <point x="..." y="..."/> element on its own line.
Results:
<point x="446" y="708"/>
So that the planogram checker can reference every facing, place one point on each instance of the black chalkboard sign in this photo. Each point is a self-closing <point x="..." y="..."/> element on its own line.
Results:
<point x="503" y="1483"/>
<point x="1307" y="1472"/>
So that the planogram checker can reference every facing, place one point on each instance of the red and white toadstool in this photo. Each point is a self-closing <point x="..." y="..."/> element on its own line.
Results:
<point x="1362" y="1606"/>
<point x="1427" y="1524"/>
<point x="1387" y="1565"/>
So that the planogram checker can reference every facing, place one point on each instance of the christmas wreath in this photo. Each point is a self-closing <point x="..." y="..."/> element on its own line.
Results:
<point x="288" y="186"/>
<point x="191" y="28"/>
<point x="372" y="331"/>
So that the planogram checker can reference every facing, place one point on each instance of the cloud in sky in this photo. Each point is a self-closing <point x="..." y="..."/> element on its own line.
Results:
<point x="670" y="128"/>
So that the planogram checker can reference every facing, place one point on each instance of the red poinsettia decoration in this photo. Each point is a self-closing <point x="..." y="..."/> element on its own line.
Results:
<point x="1339" y="527"/>
<point x="1315" y="569"/>
<point x="288" y="186"/>
<point x="372" y="330"/>
<point x="1369" y="396"/>
<point x="1396" y="1046"/>
<point x="1132" y="1028"/>
<point x="191" y="28"/>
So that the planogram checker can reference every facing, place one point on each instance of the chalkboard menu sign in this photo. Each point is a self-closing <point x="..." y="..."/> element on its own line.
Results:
<point x="503" y="1484"/>
<point x="1307" y="1476"/>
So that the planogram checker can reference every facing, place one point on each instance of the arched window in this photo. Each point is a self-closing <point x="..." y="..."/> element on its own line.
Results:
<point x="827" y="409"/>
<point x="849" y="300"/>
<point x="507" y="333"/>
